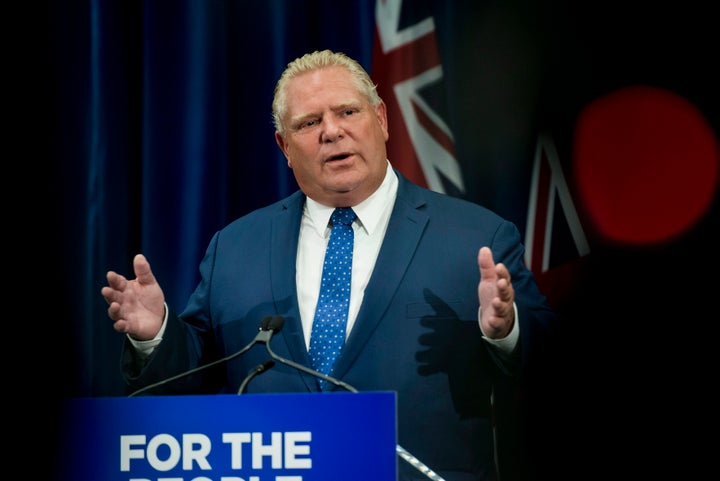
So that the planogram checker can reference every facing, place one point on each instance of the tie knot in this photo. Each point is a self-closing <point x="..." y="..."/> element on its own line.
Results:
<point x="342" y="215"/>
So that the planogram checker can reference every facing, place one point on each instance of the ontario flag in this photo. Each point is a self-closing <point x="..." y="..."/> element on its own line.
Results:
<point x="408" y="69"/>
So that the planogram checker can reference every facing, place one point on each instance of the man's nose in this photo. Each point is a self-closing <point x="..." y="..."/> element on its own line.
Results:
<point x="332" y="130"/>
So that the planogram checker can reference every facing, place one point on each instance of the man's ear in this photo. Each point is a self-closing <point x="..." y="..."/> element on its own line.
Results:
<point x="282" y="143"/>
<point x="381" y="112"/>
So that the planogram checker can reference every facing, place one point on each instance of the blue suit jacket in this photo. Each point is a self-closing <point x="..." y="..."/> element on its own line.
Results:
<point x="416" y="333"/>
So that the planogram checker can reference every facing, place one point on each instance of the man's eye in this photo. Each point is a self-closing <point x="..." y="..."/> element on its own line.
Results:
<point x="348" y="112"/>
<point x="308" y="123"/>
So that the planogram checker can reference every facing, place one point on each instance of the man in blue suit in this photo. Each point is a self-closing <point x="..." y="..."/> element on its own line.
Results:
<point x="441" y="305"/>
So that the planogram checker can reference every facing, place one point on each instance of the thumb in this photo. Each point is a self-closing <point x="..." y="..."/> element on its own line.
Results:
<point x="143" y="273"/>
<point x="486" y="263"/>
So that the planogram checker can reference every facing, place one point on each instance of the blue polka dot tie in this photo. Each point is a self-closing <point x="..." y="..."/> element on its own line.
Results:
<point x="328" y="331"/>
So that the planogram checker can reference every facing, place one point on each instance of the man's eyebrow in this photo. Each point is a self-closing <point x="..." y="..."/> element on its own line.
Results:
<point x="301" y="117"/>
<point x="344" y="105"/>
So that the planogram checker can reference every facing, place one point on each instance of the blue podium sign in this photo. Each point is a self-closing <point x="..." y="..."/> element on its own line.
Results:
<point x="254" y="437"/>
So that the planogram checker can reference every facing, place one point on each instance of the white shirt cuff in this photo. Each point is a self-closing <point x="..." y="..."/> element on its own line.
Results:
<point x="507" y="344"/>
<point x="145" y="348"/>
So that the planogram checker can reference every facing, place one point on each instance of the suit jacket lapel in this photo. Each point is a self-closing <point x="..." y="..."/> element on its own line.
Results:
<point x="404" y="232"/>
<point x="283" y="251"/>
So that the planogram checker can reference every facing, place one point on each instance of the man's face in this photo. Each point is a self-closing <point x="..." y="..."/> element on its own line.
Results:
<point x="334" y="139"/>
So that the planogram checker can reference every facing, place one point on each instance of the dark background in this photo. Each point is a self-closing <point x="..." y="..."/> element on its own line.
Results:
<point x="148" y="128"/>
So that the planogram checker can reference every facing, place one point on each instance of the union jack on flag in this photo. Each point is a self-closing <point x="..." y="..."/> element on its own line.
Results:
<point x="407" y="68"/>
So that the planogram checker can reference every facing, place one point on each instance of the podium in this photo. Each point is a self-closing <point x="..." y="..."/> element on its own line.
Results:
<point x="253" y="437"/>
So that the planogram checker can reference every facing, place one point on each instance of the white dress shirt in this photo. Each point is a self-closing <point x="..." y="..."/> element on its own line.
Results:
<point x="373" y="215"/>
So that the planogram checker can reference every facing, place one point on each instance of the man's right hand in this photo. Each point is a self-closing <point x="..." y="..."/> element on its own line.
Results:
<point x="136" y="306"/>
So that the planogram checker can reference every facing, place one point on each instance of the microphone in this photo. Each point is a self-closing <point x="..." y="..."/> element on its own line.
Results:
<point x="263" y="336"/>
<point x="275" y="324"/>
<point x="259" y="369"/>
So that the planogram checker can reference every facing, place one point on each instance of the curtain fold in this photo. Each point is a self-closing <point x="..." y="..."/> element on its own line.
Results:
<point x="164" y="135"/>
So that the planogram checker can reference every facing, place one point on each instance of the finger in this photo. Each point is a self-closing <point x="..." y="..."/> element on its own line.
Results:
<point x="502" y="271"/>
<point x="114" y="311"/>
<point x="502" y="308"/>
<point x="506" y="292"/>
<point x="109" y="294"/>
<point x="504" y="279"/>
<point x="116" y="281"/>
<point x="143" y="273"/>
<point x="121" y="326"/>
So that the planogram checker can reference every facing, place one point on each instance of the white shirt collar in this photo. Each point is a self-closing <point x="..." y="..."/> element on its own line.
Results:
<point x="369" y="212"/>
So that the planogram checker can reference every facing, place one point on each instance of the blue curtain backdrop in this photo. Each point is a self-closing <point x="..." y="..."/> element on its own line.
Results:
<point x="161" y="134"/>
<point x="165" y="135"/>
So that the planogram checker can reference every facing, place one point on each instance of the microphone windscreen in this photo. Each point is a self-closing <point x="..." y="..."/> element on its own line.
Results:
<point x="265" y="323"/>
<point x="276" y="323"/>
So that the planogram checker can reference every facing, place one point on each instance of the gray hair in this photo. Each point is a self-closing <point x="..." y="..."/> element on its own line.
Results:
<point x="313" y="61"/>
